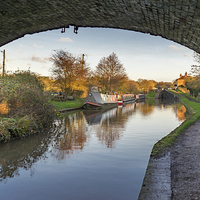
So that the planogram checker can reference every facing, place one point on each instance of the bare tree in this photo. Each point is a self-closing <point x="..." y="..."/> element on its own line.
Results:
<point x="195" y="69"/>
<point x="110" y="72"/>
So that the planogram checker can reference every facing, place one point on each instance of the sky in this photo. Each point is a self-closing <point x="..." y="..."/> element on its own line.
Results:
<point x="142" y="55"/>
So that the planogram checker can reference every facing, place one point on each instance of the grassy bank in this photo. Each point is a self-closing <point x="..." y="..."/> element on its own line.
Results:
<point x="162" y="145"/>
<point x="151" y="94"/>
<point x="187" y="95"/>
<point x="67" y="104"/>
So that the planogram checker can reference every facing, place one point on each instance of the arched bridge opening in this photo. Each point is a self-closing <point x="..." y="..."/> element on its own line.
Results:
<point x="178" y="21"/>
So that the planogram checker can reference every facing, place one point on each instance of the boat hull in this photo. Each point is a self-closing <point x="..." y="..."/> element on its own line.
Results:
<point x="92" y="106"/>
<point x="125" y="99"/>
<point x="139" y="97"/>
<point x="97" y="101"/>
<point x="120" y="103"/>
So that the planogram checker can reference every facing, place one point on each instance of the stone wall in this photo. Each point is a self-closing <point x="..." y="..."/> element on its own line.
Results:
<point x="164" y="94"/>
<point x="177" y="20"/>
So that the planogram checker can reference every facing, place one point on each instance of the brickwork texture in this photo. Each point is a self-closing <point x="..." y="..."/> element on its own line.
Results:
<point x="176" y="20"/>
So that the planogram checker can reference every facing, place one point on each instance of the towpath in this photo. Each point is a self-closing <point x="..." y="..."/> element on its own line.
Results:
<point x="175" y="176"/>
<point x="185" y="165"/>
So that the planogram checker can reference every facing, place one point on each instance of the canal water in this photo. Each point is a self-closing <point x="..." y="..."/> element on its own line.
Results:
<point x="88" y="155"/>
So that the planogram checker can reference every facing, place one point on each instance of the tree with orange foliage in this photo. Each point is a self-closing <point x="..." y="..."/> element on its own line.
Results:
<point x="68" y="71"/>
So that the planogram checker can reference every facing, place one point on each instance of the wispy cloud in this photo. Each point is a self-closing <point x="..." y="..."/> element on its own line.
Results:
<point x="28" y="64"/>
<point x="38" y="59"/>
<point x="38" y="46"/>
<point x="186" y="55"/>
<point x="65" y="40"/>
<point x="21" y="45"/>
<point x="176" y="48"/>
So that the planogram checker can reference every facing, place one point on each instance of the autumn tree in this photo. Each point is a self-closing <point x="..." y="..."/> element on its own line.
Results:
<point x="68" y="71"/>
<point x="110" y="72"/>
<point x="163" y="85"/>
<point x="146" y="85"/>
<point x="193" y="85"/>
<point x="132" y="87"/>
<point x="48" y="83"/>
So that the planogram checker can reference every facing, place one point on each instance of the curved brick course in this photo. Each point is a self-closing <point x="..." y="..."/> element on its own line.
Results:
<point x="177" y="20"/>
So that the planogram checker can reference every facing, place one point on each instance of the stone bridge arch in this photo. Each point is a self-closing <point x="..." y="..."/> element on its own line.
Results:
<point x="176" y="20"/>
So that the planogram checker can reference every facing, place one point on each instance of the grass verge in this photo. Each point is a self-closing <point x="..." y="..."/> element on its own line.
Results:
<point x="151" y="94"/>
<point x="165" y="143"/>
<point x="187" y="95"/>
<point x="59" y="105"/>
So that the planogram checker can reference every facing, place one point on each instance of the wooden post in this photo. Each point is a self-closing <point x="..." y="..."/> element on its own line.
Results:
<point x="82" y="65"/>
<point x="3" y="63"/>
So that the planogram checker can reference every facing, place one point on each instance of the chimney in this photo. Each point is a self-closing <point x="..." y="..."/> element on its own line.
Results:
<point x="185" y="74"/>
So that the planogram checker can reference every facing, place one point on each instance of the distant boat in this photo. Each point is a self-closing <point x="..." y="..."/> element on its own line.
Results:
<point x="125" y="98"/>
<point x="139" y="97"/>
<point x="96" y="100"/>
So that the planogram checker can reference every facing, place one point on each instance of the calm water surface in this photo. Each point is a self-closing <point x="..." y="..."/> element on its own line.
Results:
<point x="88" y="155"/>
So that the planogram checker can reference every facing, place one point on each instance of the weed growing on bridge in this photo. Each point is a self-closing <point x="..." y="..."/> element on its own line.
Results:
<point x="24" y="107"/>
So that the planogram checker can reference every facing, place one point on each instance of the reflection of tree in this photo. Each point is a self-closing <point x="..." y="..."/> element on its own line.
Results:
<point x="181" y="110"/>
<point x="72" y="136"/>
<point x="21" y="154"/>
<point x="178" y="108"/>
<point x="146" y="108"/>
<point x="67" y="135"/>
<point x="109" y="132"/>
<point x="111" y="126"/>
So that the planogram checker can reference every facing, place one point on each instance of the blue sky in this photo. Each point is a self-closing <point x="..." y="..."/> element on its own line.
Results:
<point x="143" y="56"/>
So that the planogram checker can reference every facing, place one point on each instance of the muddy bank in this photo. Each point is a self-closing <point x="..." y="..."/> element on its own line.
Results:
<point x="157" y="180"/>
<point x="177" y="174"/>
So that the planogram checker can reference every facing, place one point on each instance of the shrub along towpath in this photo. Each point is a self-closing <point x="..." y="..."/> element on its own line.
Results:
<point x="173" y="171"/>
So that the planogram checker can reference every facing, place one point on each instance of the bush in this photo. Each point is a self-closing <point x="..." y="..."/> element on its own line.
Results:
<point x="24" y="107"/>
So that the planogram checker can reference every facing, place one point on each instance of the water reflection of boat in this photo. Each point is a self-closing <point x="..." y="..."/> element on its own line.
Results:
<point x="96" y="100"/>
<point x="92" y="116"/>
<point x="95" y="117"/>
<point x="127" y="108"/>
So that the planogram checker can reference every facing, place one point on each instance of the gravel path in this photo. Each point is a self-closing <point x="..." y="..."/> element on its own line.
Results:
<point x="176" y="176"/>
<point x="185" y="165"/>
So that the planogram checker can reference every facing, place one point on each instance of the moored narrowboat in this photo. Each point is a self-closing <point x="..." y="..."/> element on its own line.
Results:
<point x="125" y="98"/>
<point x="139" y="97"/>
<point x="96" y="100"/>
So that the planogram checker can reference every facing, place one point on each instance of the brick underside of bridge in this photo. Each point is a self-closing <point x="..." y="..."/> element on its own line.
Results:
<point x="176" y="20"/>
